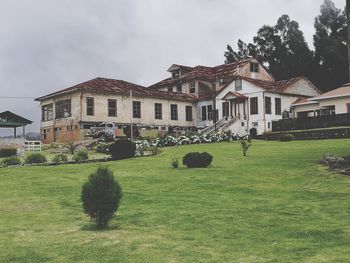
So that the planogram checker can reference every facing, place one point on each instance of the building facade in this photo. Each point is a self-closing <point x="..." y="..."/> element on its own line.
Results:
<point x="242" y="97"/>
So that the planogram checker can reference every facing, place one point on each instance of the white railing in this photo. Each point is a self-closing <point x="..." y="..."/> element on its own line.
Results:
<point x="229" y="123"/>
<point x="212" y="127"/>
<point x="32" y="146"/>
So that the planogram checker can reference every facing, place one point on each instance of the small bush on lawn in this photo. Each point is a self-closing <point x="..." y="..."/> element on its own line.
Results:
<point x="286" y="137"/>
<point x="80" y="156"/>
<point x="175" y="163"/>
<point x="13" y="160"/>
<point x="60" y="158"/>
<point x="35" y="158"/>
<point x="196" y="159"/>
<point x="7" y="152"/>
<point x="122" y="149"/>
<point x="101" y="196"/>
<point x="71" y="147"/>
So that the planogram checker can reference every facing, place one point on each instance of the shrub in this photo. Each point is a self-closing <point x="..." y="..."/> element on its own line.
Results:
<point x="35" y="158"/>
<point x="13" y="160"/>
<point x="71" y="147"/>
<point x="175" y="163"/>
<point x="7" y="152"/>
<point x="60" y="158"/>
<point x="122" y="149"/>
<point x="80" y="156"/>
<point x="286" y="137"/>
<point x="196" y="159"/>
<point x="102" y="147"/>
<point x="101" y="196"/>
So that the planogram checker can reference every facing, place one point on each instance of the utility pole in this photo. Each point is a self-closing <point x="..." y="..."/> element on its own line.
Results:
<point x="131" y="116"/>
<point x="348" y="34"/>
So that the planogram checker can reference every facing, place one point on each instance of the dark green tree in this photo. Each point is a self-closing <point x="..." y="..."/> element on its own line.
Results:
<point x="283" y="49"/>
<point x="101" y="196"/>
<point x="244" y="51"/>
<point x="330" y="60"/>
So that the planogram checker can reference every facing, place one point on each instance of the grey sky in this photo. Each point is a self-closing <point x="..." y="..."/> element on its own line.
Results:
<point x="49" y="45"/>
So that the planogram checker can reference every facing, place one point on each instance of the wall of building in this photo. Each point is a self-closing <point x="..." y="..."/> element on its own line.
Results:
<point x="302" y="87"/>
<point x="339" y="103"/>
<point x="124" y="111"/>
<point x="262" y="74"/>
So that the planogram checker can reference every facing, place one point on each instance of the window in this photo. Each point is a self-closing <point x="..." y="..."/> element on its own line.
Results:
<point x="63" y="108"/>
<point x="136" y="109"/>
<point x="204" y="113"/>
<point x="254" y="106"/>
<point x="173" y="112"/>
<point x="47" y="112"/>
<point x="189" y="113"/>
<point x="90" y="106"/>
<point x="112" y="108"/>
<point x="225" y="109"/>
<point x="348" y="107"/>
<point x="175" y="74"/>
<point x="269" y="125"/>
<point x="170" y="89"/>
<point x="278" y="109"/>
<point x="255" y="124"/>
<point x="192" y="87"/>
<point x="158" y="111"/>
<point x="210" y="112"/>
<point x="268" y="105"/>
<point x="179" y="88"/>
<point x="238" y="84"/>
<point x="254" y="67"/>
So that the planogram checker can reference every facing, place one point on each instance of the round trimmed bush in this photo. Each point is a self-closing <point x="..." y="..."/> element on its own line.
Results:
<point x="122" y="149"/>
<point x="13" y="160"/>
<point x="101" y="196"/>
<point x="35" y="158"/>
<point x="197" y="160"/>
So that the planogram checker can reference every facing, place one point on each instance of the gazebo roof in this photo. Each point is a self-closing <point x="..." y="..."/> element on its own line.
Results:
<point x="10" y="120"/>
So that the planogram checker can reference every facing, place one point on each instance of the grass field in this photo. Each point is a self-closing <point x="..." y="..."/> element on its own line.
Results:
<point x="276" y="205"/>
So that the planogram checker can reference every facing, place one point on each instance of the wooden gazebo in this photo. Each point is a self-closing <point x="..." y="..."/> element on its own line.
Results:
<point x="10" y="120"/>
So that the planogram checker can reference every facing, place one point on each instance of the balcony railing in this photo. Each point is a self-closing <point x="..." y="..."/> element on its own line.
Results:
<point x="307" y="123"/>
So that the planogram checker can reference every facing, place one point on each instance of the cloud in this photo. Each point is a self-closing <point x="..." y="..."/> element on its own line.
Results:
<point x="50" y="45"/>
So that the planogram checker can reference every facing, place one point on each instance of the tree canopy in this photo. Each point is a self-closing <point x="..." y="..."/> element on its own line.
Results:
<point x="283" y="50"/>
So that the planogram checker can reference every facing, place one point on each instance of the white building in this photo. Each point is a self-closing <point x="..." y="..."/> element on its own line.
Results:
<point x="242" y="97"/>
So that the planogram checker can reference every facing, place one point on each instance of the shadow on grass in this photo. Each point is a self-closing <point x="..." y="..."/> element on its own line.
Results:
<point x="93" y="227"/>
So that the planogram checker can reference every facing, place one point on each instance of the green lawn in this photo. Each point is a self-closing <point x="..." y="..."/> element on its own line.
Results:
<point x="276" y="205"/>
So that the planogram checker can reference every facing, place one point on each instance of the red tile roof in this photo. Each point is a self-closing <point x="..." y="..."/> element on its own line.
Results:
<point x="225" y="71"/>
<point x="114" y="86"/>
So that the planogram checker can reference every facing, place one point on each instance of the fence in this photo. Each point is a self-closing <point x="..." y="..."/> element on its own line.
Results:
<point x="307" y="123"/>
<point x="31" y="146"/>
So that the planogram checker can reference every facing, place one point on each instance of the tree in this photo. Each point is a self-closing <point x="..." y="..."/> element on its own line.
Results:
<point x="330" y="47"/>
<point x="282" y="48"/>
<point x="101" y="196"/>
<point x="244" y="51"/>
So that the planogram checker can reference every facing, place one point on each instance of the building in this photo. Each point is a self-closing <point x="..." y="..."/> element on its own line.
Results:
<point x="240" y="96"/>
<point x="336" y="101"/>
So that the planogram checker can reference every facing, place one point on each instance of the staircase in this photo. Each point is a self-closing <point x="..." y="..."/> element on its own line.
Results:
<point x="212" y="127"/>
<point x="221" y="125"/>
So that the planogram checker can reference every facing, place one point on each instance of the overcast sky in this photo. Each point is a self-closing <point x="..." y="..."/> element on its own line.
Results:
<point x="48" y="45"/>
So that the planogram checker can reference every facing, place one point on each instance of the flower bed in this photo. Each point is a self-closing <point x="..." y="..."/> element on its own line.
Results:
<point x="143" y="144"/>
